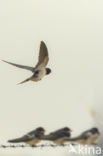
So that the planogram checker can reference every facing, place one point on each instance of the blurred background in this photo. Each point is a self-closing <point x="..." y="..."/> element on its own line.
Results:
<point x="70" y="96"/>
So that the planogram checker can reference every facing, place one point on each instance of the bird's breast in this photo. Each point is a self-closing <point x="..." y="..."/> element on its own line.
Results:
<point x="90" y="140"/>
<point x="33" y="142"/>
<point x="59" y="141"/>
<point x="40" y="75"/>
<point x="93" y="139"/>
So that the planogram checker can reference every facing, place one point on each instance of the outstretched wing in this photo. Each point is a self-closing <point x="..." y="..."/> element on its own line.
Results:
<point x="20" y="66"/>
<point x="43" y="56"/>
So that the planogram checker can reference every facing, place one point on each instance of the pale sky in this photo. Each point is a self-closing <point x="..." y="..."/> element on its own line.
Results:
<point x="73" y="33"/>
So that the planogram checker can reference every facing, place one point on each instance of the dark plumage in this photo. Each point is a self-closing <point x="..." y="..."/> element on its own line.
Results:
<point x="31" y="138"/>
<point x="58" y="136"/>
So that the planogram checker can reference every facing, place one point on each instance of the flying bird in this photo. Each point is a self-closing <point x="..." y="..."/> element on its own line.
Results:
<point x="88" y="137"/>
<point x="31" y="138"/>
<point x="58" y="136"/>
<point x="40" y="70"/>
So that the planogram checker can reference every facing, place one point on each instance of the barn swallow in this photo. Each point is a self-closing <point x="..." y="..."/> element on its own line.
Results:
<point x="40" y="70"/>
<point x="31" y="138"/>
<point x="87" y="137"/>
<point x="58" y="136"/>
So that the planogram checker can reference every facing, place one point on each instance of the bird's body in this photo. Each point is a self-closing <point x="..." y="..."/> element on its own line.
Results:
<point x="90" y="140"/>
<point x="40" y="70"/>
<point x="60" y="141"/>
<point x="33" y="142"/>
<point x="88" y="137"/>
<point x="39" y="75"/>
<point x="31" y="138"/>
<point x="59" y="136"/>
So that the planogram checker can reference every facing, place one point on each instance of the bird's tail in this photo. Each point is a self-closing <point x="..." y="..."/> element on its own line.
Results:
<point x="18" y="140"/>
<point x="24" y="81"/>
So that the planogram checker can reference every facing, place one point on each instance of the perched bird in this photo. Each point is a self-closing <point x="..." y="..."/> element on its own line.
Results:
<point x="31" y="138"/>
<point x="58" y="136"/>
<point x="88" y="137"/>
<point x="40" y="70"/>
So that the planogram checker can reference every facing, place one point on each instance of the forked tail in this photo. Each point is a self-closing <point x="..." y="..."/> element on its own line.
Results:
<point x="24" y="81"/>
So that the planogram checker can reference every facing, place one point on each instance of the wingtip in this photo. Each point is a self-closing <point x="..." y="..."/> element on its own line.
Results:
<point x="18" y="83"/>
<point x="3" y="60"/>
<point x="42" y="42"/>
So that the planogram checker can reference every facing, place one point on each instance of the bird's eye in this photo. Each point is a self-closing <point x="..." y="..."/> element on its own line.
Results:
<point x="37" y="72"/>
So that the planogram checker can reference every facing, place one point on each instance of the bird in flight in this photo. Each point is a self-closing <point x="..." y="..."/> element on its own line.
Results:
<point x="58" y="136"/>
<point x="87" y="137"/>
<point x="31" y="138"/>
<point x="40" y="70"/>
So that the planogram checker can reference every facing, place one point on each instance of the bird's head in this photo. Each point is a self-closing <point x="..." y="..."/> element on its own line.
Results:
<point x="41" y="130"/>
<point x="95" y="130"/>
<point x="48" y="71"/>
<point x="67" y="130"/>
